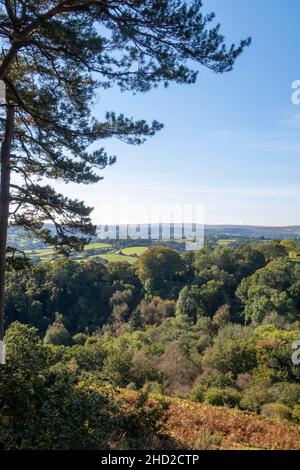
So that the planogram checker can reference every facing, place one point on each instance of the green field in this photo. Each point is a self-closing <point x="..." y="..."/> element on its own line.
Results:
<point x="93" y="250"/>
<point x="96" y="246"/>
<point x="225" y="242"/>
<point x="49" y="252"/>
<point x="134" y="250"/>
<point x="43" y="253"/>
<point x="114" y="257"/>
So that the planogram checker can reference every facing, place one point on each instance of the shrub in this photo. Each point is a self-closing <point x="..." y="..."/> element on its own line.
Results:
<point x="143" y="423"/>
<point x="153" y="387"/>
<point x="213" y="378"/>
<point x="222" y="397"/>
<point x="57" y="334"/>
<point x="143" y="367"/>
<point x="198" y="393"/>
<point x="256" y="396"/>
<point x="177" y="369"/>
<point x="131" y="386"/>
<point x="208" y="440"/>
<point x="117" y="363"/>
<point x="236" y="356"/>
<point x="43" y="407"/>
<point x="289" y="394"/>
<point x="244" y="381"/>
<point x="202" y="343"/>
<point x="276" y="410"/>
<point x="79" y="338"/>
<point x="296" y="414"/>
<point x="89" y="357"/>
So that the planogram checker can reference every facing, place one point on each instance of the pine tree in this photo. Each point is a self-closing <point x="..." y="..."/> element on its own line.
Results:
<point x="55" y="55"/>
<point x="136" y="320"/>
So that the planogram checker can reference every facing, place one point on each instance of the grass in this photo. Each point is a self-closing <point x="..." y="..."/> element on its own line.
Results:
<point x="225" y="242"/>
<point x="97" y="249"/>
<point x="134" y="250"/>
<point x="115" y="257"/>
<point x="96" y="246"/>
<point x="44" y="253"/>
<point x="47" y="253"/>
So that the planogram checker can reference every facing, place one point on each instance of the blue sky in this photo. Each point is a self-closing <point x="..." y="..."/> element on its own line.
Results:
<point x="231" y="142"/>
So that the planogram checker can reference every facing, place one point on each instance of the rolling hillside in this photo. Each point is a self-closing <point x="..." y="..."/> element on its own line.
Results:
<point x="111" y="250"/>
<point x="202" y="427"/>
<point x="253" y="231"/>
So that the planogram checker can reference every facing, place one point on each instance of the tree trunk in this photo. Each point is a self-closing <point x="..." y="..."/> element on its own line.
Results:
<point x="4" y="204"/>
<point x="8" y="59"/>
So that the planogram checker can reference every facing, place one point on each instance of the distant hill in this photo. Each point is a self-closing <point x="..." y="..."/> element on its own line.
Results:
<point x="253" y="231"/>
<point x="166" y="231"/>
<point x="217" y="230"/>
